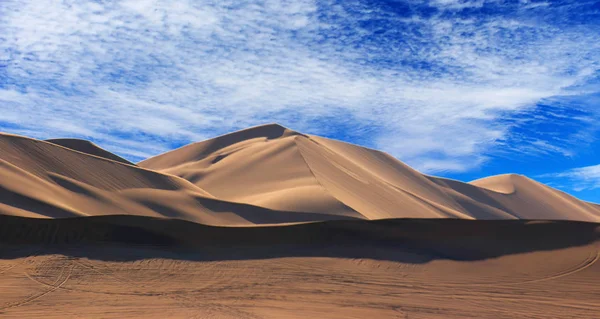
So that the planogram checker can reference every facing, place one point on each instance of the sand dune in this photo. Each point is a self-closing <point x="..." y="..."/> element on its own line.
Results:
<point x="42" y="179"/>
<point x="274" y="167"/>
<point x="528" y="199"/>
<point x="111" y="239"/>
<point x="88" y="148"/>
<point x="262" y="175"/>
<point x="260" y="166"/>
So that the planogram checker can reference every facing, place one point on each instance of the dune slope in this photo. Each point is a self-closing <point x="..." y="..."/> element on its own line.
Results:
<point x="42" y="179"/>
<point x="142" y="267"/>
<point x="274" y="167"/>
<point x="260" y="166"/>
<point x="153" y="240"/>
<point x="88" y="148"/>
<point x="262" y="175"/>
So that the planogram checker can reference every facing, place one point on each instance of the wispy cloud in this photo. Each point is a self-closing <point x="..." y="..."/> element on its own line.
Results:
<point x="577" y="179"/>
<point x="435" y="84"/>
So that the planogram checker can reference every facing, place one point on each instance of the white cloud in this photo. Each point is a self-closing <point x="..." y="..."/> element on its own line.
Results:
<point x="458" y="4"/>
<point x="579" y="179"/>
<point x="152" y="72"/>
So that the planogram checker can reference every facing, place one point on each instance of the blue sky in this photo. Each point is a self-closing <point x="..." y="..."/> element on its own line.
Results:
<point x="456" y="88"/>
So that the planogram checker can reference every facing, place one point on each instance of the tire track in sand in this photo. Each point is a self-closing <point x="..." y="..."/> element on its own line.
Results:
<point x="61" y="280"/>
<point x="589" y="262"/>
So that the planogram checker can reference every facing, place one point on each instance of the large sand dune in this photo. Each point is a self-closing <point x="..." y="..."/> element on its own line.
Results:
<point x="274" y="167"/>
<point x="262" y="175"/>
<point x="42" y="179"/>
<point x="87" y="234"/>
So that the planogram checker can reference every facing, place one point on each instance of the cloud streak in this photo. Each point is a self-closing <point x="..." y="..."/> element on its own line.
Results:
<point x="430" y="83"/>
<point x="581" y="178"/>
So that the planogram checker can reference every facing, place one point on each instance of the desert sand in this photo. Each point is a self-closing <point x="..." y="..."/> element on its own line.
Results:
<point x="88" y="148"/>
<point x="271" y="223"/>
<point x="262" y="175"/>
<point x="141" y="267"/>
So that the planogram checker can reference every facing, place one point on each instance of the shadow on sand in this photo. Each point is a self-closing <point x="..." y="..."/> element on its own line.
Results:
<point x="126" y="238"/>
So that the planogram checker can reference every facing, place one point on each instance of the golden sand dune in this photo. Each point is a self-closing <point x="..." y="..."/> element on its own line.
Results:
<point x="276" y="168"/>
<point x="114" y="240"/>
<point x="528" y="199"/>
<point x="88" y="148"/>
<point x="42" y="179"/>
<point x="262" y="175"/>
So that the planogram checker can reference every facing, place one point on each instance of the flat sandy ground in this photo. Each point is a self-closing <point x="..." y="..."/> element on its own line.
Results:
<point x="148" y="283"/>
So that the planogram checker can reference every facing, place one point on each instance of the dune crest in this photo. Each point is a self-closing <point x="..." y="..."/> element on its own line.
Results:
<point x="266" y="174"/>
<point x="278" y="168"/>
<point x="504" y="184"/>
<point x="88" y="148"/>
<point x="42" y="179"/>
<point x="271" y="223"/>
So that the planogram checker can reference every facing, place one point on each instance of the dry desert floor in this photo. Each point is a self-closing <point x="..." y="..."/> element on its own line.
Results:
<point x="320" y="278"/>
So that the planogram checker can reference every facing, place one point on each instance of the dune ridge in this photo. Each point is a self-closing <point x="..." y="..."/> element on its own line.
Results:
<point x="43" y="179"/>
<point x="287" y="169"/>
<point x="267" y="174"/>
<point x="88" y="148"/>
<point x="271" y="223"/>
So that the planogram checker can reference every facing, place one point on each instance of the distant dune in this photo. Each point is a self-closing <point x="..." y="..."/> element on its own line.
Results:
<point x="88" y="148"/>
<point x="262" y="175"/>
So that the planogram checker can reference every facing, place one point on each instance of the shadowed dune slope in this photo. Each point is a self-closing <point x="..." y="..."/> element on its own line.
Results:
<point x="430" y="238"/>
<point x="42" y="179"/>
<point x="143" y="267"/>
<point x="274" y="167"/>
<point x="88" y="148"/>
